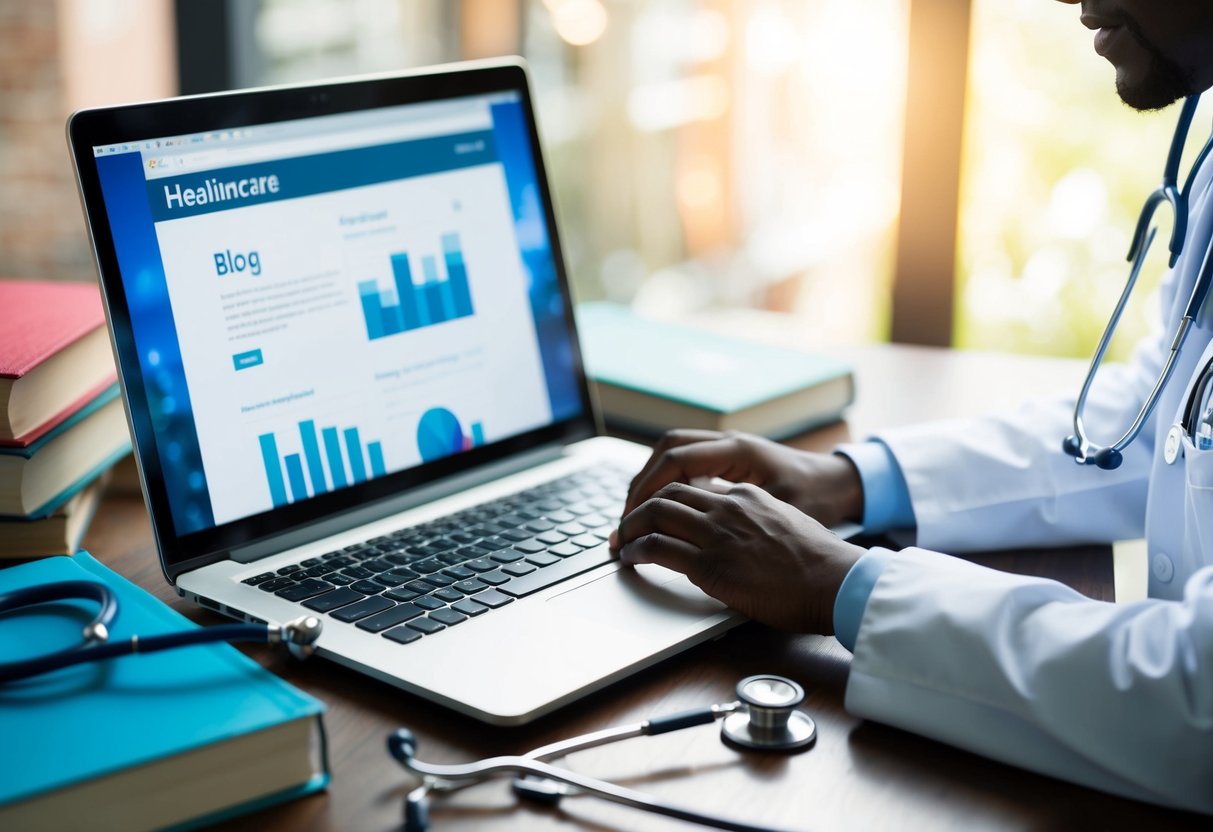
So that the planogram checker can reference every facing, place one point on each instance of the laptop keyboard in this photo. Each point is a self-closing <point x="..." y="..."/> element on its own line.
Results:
<point x="423" y="579"/>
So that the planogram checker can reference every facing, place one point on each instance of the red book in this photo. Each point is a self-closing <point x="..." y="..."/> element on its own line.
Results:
<point x="54" y="355"/>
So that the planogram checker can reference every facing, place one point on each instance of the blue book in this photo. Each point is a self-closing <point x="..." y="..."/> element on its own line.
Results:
<point x="38" y="478"/>
<point x="651" y="376"/>
<point x="180" y="738"/>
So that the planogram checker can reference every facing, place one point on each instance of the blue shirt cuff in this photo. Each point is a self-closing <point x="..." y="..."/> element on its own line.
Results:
<point x="886" y="497"/>
<point x="853" y="596"/>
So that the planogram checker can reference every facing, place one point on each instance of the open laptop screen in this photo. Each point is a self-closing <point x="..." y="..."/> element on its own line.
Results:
<point x="320" y="304"/>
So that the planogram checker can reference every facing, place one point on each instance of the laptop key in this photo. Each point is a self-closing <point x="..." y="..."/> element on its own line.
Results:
<point x="390" y="618"/>
<point x="459" y="573"/>
<point x="365" y="607"/>
<point x="304" y="589"/>
<point x="530" y="547"/>
<point x="575" y="565"/>
<point x="401" y="594"/>
<point x="429" y="602"/>
<point x="542" y="559"/>
<point x="481" y="565"/>
<point x="469" y="607"/>
<point x="552" y="538"/>
<point x="258" y="579"/>
<point x="368" y="587"/>
<point x="402" y="635"/>
<point x="492" y="598"/>
<point x="565" y="550"/>
<point x="448" y="594"/>
<point x="332" y="600"/>
<point x="494" y="578"/>
<point x="506" y="555"/>
<point x="275" y="584"/>
<point x="448" y="617"/>
<point x="518" y="569"/>
<point x="470" y="586"/>
<point x="438" y="579"/>
<point x="425" y="625"/>
<point x="586" y="540"/>
<point x="340" y="580"/>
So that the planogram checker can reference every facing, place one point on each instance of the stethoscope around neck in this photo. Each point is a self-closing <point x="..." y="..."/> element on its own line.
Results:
<point x="1079" y="444"/>
<point x="763" y="718"/>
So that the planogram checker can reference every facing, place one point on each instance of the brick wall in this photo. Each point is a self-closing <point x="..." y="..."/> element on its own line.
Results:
<point x="41" y="226"/>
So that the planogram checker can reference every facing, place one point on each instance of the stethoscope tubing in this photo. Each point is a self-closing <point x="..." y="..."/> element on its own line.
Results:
<point x="84" y="654"/>
<point x="498" y="766"/>
<point x="534" y="764"/>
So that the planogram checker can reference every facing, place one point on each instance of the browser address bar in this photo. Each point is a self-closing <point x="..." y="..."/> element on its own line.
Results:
<point x="222" y="157"/>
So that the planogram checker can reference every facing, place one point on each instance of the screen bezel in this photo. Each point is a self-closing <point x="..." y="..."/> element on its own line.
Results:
<point x="195" y="114"/>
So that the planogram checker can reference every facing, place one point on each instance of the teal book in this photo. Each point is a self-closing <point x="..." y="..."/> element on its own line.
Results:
<point x="176" y="739"/>
<point x="651" y="376"/>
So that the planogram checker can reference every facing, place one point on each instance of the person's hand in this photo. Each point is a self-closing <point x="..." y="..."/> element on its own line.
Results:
<point x="759" y="555"/>
<point x="824" y="486"/>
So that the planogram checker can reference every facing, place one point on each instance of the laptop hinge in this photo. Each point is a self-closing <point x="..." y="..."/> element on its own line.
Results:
<point x="421" y="495"/>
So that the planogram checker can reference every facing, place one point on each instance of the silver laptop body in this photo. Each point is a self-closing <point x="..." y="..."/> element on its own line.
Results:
<point x="349" y="360"/>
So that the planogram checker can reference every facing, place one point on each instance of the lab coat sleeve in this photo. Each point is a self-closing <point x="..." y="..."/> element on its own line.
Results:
<point x="1029" y="672"/>
<point x="1003" y="481"/>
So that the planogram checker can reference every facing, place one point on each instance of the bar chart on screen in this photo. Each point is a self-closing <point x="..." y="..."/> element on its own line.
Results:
<point x="308" y="461"/>
<point x="440" y="433"/>
<point x="422" y="293"/>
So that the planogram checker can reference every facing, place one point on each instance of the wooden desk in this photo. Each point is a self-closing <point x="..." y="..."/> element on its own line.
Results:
<point x="858" y="775"/>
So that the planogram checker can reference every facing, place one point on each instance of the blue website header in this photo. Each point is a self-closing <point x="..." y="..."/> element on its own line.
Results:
<point x="237" y="187"/>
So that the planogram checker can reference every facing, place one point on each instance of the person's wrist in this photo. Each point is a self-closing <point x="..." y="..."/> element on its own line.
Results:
<point x="837" y="561"/>
<point x="846" y="486"/>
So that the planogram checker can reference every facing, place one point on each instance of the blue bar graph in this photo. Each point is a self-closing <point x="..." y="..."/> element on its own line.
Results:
<point x="294" y="472"/>
<point x="273" y="470"/>
<point x="409" y="305"/>
<point x="375" y="450"/>
<point x="332" y="448"/>
<point x="327" y="459"/>
<point x="311" y="450"/>
<point x="354" y="446"/>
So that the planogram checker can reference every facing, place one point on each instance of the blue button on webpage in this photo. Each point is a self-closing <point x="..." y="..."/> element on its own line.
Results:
<point x="244" y="360"/>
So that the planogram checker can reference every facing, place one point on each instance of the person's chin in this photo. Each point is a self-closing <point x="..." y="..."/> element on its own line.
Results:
<point x="1146" y="94"/>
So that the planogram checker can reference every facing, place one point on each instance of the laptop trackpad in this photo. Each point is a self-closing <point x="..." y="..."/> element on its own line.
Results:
<point x="640" y="600"/>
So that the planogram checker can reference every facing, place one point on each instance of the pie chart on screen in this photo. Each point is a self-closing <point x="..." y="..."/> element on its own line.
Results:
<point x="439" y="434"/>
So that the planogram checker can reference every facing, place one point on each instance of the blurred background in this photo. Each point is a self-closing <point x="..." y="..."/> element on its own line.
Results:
<point x="952" y="172"/>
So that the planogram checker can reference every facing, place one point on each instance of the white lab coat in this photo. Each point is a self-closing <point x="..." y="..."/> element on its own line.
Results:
<point x="1023" y="670"/>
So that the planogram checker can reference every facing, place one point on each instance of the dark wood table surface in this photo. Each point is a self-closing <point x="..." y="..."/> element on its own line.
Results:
<point x="858" y="775"/>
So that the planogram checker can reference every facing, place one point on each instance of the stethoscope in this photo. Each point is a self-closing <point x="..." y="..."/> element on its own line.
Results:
<point x="299" y="635"/>
<point x="1079" y="445"/>
<point x="764" y="717"/>
<point x="1196" y="424"/>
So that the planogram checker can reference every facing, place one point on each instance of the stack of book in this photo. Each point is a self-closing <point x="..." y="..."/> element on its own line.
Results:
<point x="61" y="419"/>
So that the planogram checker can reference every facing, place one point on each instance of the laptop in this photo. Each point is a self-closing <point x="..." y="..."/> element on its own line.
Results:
<point x="347" y="352"/>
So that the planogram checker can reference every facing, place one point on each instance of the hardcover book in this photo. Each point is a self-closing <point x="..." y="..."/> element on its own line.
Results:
<point x="37" y="479"/>
<point x="180" y="737"/>
<point x="54" y="354"/>
<point x="59" y="533"/>
<point x="651" y="376"/>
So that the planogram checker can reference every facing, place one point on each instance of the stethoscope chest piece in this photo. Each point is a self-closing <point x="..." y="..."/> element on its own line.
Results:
<point x="769" y="720"/>
<point x="1174" y="444"/>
